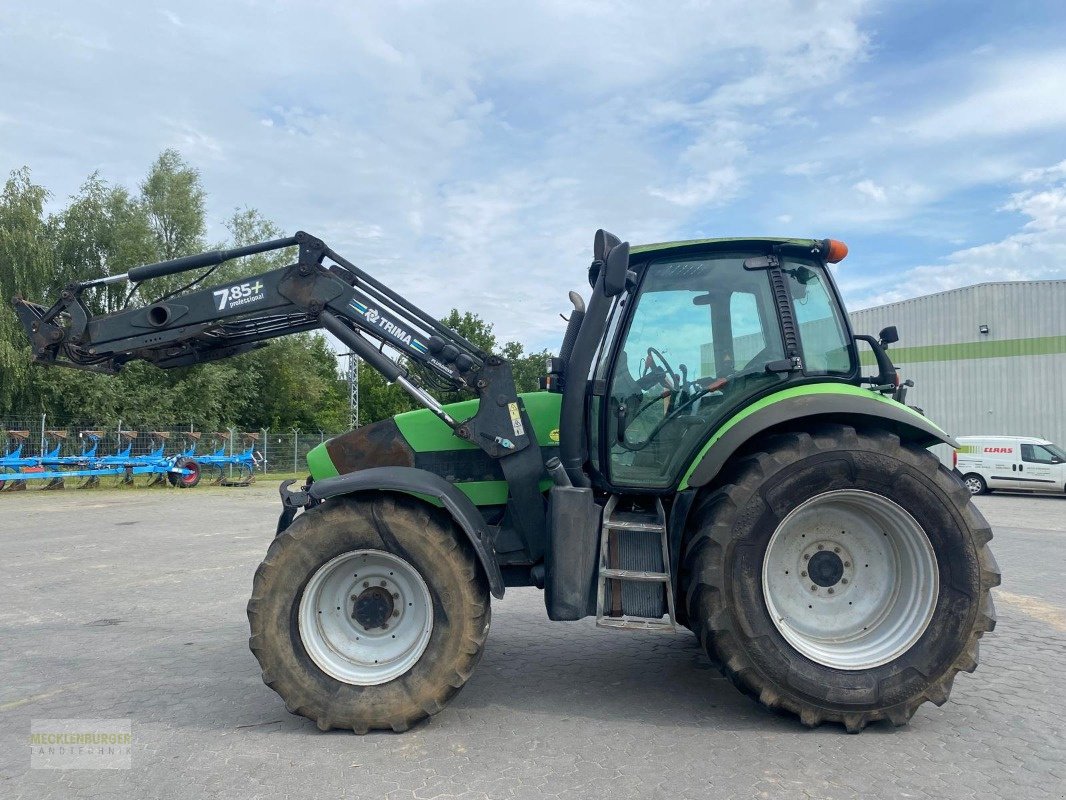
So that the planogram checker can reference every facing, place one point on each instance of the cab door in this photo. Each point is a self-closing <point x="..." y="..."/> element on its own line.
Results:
<point x="1002" y="466"/>
<point x="701" y="338"/>
<point x="1039" y="469"/>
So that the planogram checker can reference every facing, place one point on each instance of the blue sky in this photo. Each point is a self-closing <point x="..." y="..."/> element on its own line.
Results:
<point x="466" y="152"/>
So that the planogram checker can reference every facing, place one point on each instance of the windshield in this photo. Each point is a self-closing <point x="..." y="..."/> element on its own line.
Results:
<point x="1056" y="451"/>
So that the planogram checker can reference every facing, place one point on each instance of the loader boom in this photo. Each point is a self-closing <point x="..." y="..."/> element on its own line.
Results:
<point x="321" y="290"/>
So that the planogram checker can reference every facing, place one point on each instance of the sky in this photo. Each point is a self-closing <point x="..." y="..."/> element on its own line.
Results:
<point x="465" y="153"/>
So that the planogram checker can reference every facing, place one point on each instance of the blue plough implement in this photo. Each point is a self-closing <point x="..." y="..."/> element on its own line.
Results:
<point x="157" y="467"/>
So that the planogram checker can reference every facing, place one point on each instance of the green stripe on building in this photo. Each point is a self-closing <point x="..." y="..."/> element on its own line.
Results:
<point x="1003" y="348"/>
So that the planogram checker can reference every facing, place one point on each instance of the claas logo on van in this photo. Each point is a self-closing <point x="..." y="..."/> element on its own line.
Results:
<point x="999" y="449"/>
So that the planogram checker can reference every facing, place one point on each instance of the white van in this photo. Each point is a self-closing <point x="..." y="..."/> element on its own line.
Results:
<point x="1010" y="462"/>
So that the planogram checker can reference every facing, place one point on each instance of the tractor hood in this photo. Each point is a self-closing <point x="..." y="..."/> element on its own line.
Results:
<point x="419" y="439"/>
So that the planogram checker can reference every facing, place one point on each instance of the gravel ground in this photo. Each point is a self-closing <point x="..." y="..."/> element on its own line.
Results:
<point x="131" y="605"/>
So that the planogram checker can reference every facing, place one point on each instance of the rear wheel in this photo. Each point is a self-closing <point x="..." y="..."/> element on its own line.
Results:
<point x="368" y="613"/>
<point x="840" y="576"/>
<point x="975" y="484"/>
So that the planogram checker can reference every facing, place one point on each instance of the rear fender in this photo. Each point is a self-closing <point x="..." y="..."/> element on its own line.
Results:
<point x="808" y="405"/>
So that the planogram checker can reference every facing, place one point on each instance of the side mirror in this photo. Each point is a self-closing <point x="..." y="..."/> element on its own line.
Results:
<point x="888" y="335"/>
<point x="603" y="244"/>
<point x="616" y="270"/>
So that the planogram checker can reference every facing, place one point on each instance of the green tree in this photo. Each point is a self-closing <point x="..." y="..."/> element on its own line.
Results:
<point x="298" y="386"/>
<point x="26" y="265"/>
<point x="174" y="201"/>
<point x="247" y="226"/>
<point x="104" y="231"/>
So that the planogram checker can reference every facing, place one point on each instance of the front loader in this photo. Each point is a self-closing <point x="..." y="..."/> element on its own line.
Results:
<point x="705" y="453"/>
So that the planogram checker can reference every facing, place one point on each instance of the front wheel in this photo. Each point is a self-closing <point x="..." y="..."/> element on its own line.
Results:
<point x="839" y="575"/>
<point x="368" y="613"/>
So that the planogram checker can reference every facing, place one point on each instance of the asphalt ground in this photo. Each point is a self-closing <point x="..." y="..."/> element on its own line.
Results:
<point x="130" y="604"/>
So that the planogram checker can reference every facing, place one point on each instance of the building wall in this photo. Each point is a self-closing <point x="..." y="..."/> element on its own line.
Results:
<point x="1010" y="381"/>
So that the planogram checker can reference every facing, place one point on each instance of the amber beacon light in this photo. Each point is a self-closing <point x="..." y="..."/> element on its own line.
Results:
<point x="835" y="251"/>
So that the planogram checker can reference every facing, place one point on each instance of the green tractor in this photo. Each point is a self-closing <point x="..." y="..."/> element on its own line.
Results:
<point x="705" y="453"/>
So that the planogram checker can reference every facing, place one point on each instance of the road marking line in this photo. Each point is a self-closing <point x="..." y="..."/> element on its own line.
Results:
<point x="31" y="699"/>
<point x="1038" y="609"/>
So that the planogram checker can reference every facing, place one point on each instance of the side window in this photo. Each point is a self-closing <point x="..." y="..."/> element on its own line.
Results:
<point x="1038" y="454"/>
<point x="822" y="334"/>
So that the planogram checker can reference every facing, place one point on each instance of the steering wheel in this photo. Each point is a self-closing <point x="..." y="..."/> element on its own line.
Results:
<point x="651" y="374"/>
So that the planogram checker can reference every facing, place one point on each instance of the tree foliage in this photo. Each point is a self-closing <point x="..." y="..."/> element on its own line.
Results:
<point x="104" y="229"/>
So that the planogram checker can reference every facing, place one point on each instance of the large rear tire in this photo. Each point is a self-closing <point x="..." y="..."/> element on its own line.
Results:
<point x="840" y="575"/>
<point x="368" y="613"/>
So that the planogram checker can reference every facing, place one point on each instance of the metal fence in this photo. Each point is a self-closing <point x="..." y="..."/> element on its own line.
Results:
<point x="280" y="451"/>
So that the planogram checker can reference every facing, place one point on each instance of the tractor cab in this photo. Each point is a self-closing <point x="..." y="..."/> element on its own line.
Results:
<point x="694" y="332"/>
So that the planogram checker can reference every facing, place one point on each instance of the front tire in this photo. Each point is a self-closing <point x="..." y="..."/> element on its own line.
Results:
<point x="368" y="613"/>
<point x="769" y="596"/>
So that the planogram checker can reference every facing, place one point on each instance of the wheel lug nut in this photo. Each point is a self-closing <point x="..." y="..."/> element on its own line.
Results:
<point x="354" y="597"/>
<point x="847" y="563"/>
<point x="843" y="580"/>
<point x="821" y="547"/>
<point x="806" y="557"/>
<point x="814" y="588"/>
<point x="366" y="584"/>
<point x="830" y="591"/>
<point x="803" y="574"/>
<point x="395" y="595"/>
<point x="836" y="549"/>
<point x="396" y="613"/>
<point x="384" y="583"/>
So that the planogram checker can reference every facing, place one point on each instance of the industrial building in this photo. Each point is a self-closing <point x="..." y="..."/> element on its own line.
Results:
<point x="985" y="359"/>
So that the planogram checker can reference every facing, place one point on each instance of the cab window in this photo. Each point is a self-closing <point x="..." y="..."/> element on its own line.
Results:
<point x="823" y="337"/>
<point x="696" y="346"/>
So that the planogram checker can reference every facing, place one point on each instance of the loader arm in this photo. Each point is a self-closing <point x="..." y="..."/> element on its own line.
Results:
<point x="321" y="290"/>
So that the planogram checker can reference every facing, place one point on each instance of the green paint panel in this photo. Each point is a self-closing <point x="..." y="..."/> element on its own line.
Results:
<point x="320" y="464"/>
<point x="786" y="394"/>
<point x="426" y="433"/>
<point x="965" y="351"/>
<point x="725" y="243"/>
<point x="481" y="493"/>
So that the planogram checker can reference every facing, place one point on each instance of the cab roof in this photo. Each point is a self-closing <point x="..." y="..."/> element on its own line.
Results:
<point x="739" y="242"/>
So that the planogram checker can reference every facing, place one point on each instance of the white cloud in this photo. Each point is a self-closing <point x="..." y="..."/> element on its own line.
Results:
<point x="1010" y="96"/>
<point x="1036" y="250"/>
<point x="870" y="190"/>
<point x="466" y="152"/>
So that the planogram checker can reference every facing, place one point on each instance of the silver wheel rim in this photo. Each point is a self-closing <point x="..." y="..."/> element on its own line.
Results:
<point x="974" y="485"/>
<point x="850" y="579"/>
<point x="365" y="617"/>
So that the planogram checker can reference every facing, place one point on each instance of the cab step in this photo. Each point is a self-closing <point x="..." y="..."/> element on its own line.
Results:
<point x="630" y="563"/>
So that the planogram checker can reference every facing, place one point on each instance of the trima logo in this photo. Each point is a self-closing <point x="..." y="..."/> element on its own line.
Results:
<point x="387" y="326"/>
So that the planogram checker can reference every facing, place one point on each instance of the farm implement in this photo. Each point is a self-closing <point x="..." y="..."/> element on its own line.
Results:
<point x="153" y="468"/>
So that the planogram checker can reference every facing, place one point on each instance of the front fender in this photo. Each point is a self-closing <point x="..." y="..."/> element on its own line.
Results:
<point x="410" y="480"/>
<point x="816" y="403"/>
